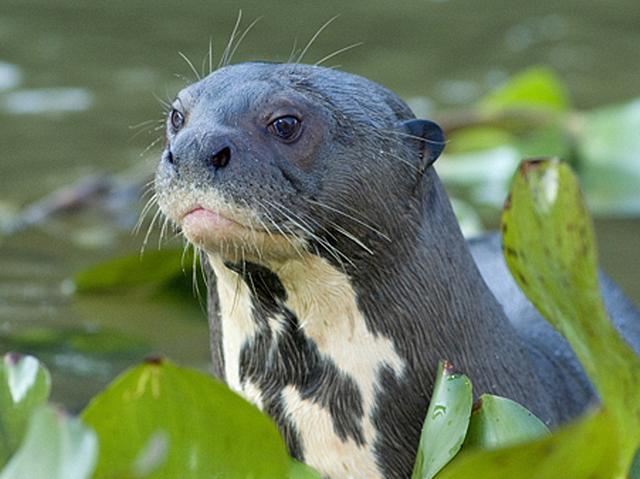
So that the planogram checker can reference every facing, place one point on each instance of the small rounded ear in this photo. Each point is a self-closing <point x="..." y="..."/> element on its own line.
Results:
<point x="429" y="138"/>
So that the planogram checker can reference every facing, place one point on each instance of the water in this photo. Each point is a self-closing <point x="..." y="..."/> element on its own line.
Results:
<point x="75" y="76"/>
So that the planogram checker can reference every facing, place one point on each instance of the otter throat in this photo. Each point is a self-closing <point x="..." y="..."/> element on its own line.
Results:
<point x="303" y="352"/>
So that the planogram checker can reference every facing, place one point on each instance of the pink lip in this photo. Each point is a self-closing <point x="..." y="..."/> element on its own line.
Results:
<point x="201" y="219"/>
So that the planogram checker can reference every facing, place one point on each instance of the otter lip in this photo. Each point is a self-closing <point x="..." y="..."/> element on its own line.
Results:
<point x="199" y="221"/>
<point x="202" y="215"/>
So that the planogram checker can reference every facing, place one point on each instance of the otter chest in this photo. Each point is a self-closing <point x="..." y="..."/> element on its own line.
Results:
<point x="303" y="353"/>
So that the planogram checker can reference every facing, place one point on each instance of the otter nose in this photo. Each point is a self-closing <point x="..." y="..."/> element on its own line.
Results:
<point x="220" y="158"/>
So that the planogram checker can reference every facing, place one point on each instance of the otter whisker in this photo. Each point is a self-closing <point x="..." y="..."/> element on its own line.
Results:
<point x="185" y="250"/>
<point x="353" y="238"/>
<point x="264" y="227"/>
<point x="184" y="79"/>
<point x="244" y="34"/>
<point x="414" y="137"/>
<point x="293" y="50"/>
<point x="351" y="217"/>
<point x="149" y="229"/>
<point x="254" y="237"/>
<point x="150" y="184"/>
<point x="236" y="292"/>
<point x="203" y="274"/>
<point x="151" y="202"/>
<point x="314" y="37"/>
<point x="151" y="145"/>
<point x="225" y="54"/>
<point x="166" y="104"/>
<point x="210" y="55"/>
<point x="163" y="230"/>
<point x="339" y="229"/>
<point x="306" y="228"/>
<point x="277" y="227"/>
<point x="338" y="52"/>
<point x="191" y="65"/>
<point x="194" y="274"/>
<point x="148" y="129"/>
<point x="145" y="124"/>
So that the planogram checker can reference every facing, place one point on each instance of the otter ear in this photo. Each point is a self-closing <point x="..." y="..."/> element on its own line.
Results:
<point x="430" y="139"/>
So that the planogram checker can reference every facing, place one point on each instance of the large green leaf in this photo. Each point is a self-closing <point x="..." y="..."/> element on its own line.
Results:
<point x="499" y="422"/>
<point x="446" y="423"/>
<point x="536" y="87"/>
<point x="550" y="249"/>
<point x="153" y="269"/>
<point x="163" y="421"/>
<point x="585" y="450"/>
<point x="55" y="447"/>
<point x="298" y="470"/>
<point x="24" y="385"/>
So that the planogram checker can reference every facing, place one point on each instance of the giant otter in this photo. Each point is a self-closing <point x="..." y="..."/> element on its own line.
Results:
<point x="338" y="273"/>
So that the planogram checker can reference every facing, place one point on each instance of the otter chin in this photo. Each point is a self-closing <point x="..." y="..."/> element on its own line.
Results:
<point x="338" y="275"/>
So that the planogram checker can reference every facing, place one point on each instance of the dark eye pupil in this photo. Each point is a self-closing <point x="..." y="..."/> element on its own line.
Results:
<point x="177" y="119"/>
<point x="286" y="126"/>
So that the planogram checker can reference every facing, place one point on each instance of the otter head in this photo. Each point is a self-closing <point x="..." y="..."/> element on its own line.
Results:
<point x="263" y="162"/>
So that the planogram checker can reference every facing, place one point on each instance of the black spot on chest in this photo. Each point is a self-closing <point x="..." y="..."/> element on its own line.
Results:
<point x="281" y="355"/>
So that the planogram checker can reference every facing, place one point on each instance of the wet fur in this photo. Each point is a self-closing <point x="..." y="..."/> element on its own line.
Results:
<point x="338" y="341"/>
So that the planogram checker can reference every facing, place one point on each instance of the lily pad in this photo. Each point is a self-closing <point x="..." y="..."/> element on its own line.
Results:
<point x="446" y="423"/>
<point x="24" y="386"/>
<point x="166" y="422"/>
<point x="56" y="447"/>
<point x="499" y="422"/>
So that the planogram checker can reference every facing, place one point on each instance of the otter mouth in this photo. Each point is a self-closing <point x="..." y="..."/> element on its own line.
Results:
<point x="200" y="224"/>
<point x="221" y="233"/>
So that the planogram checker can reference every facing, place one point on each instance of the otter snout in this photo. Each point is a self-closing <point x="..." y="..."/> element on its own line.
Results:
<point x="213" y="152"/>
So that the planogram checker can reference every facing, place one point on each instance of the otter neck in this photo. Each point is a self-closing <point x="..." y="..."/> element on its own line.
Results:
<point x="430" y="294"/>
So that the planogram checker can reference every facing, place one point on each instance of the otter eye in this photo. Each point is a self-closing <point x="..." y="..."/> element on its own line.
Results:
<point x="177" y="119"/>
<point x="286" y="127"/>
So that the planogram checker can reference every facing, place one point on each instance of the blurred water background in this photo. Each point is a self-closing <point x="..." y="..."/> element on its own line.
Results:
<point x="76" y="77"/>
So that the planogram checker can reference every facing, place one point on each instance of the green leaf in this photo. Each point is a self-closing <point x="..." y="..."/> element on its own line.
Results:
<point x="298" y="470"/>
<point x="584" y="450"/>
<point x="56" y="447"/>
<point x="162" y="421"/>
<point x="550" y="249"/>
<point x="153" y="269"/>
<point x="498" y="422"/>
<point x="534" y="88"/>
<point x="24" y="385"/>
<point x="446" y="423"/>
